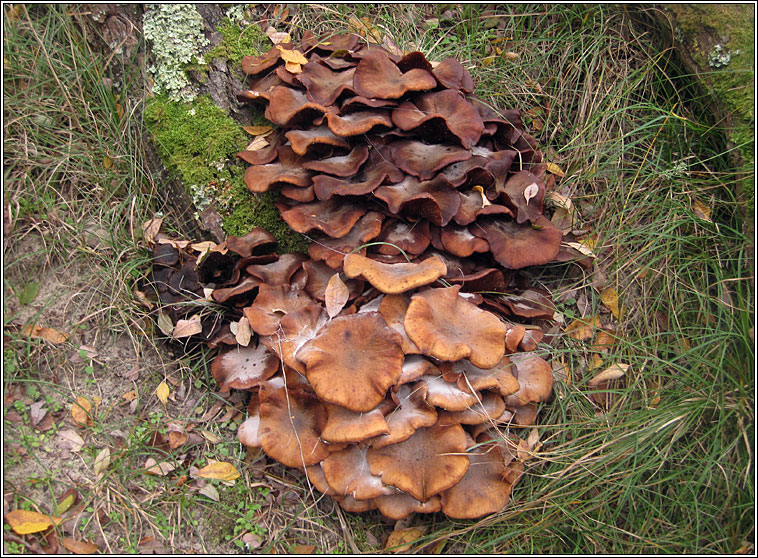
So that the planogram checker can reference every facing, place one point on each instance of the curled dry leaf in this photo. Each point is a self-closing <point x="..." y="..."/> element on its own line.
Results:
<point x="610" y="298"/>
<point x="531" y="191"/>
<point x="583" y="329"/>
<point x="613" y="372"/>
<point x="335" y="295"/>
<point x="278" y="37"/>
<point x="79" y="547"/>
<point x="243" y="333"/>
<point x="210" y="491"/>
<point x="24" y="522"/>
<point x="220" y="470"/>
<point x="165" y="324"/>
<point x="186" y="328"/>
<point x="151" y="229"/>
<point x="257" y="144"/>
<point x="46" y="333"/>
<point x="80" y="411"/>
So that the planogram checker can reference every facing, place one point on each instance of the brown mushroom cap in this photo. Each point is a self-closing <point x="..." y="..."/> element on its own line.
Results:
<point x="296" y="328"/>
<point x="490" y="408"/>
<point x="291" y="423"/>
<point x="286" y="169"/>
<point x="524" y="194"/>
<point x="344" y="425"/>
<point x="289" y="107"/>
<point x="357" y="123"/>
<point x="412" y="412"/>
<point x="375" y="172"/>
<point x="447" y="395"/>
<point x="429" y="462"/>
<point x="394" y="278"/>
<point x="244" y="367"/>
<point x="424" y="160"/>
<point x="347" y="472"/>
<point x="333" y="217"/>
<point x="535" y="378"/>
<point x="271" y="304"/>
<point x="393" y="308"/>
<point x="435" y="199"/>
<point x="323" y="85"/>
<point x="340" y="165"/>
<point x="412" y="238"/>
<point x="377" y="76"/>
<point x="401" y="505"/>
<point x="333" y="250"/>
<point x="301" y="140"/>
<point x="278" y="272"/>
<point x="516" y="246"/>
<point x="247" y="244"/>
<point x="451" y="74"/>
<point x="483" y="489"/>
<point x="445" y="326"/>
<point x="471" y="378"/>
<point x="369" y="362"/>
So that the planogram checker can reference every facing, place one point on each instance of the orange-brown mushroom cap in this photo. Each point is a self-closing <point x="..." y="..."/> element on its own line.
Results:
<point x="347" y="472"/>
<point x="429" y="462"/>
<point x="446" y="326"/>
<point x="394" y="278"/>
<point x="244" y="367"/>
<point x="368" y="361"/>
<point x="377" y="76"/>
<point x="344" y="425"/>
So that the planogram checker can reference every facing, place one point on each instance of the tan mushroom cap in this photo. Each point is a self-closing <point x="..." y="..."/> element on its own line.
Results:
<point x="471" y="378"/>
<point x="401" y="505"/>
<point x="447" y="395"/>
<point x="393" y="308"/>
<point x="358" y="375"/>
<point x="271" y="304"/>
<point x="394" y="278"/>
<point x="347" y="472"/>
<point x="291" y="423"/>
<point x="535" y="378"/>
<point x="317" y="478"/>
<point x="483" y="489"/>
<point x="412" y="412"/>
<point x="427" y="463"/>
<point x="244" y="367"/>
<point x="344" y="425"/>
<point x="445" y="326"/>
<point x="490" y="408"/>
<point x="297" y="328"/>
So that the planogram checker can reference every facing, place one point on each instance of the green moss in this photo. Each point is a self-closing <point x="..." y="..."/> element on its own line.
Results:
<point x="237" y="42"/>
<point x="198" y="141"/>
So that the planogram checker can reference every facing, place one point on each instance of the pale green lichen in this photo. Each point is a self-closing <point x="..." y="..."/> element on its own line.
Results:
<point x="175" y="31"/>
<point x="719" y="56"/>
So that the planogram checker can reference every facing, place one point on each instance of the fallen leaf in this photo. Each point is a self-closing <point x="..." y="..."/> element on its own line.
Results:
<point x="69" y="440"/>
<point x="28" y="293"/>
<point x="102" y="461"/>
<point x="152" y="467"/>
<point x="220" y="470"/>
<point x="46" y="333"/>
<point x="582" y="330"/>
<point x="293" y="68"/>
<point x="293" y="56"/>
<point x="210" y="436"/>
<point x="401" y="540"/>
<point x="258" y="143"/>
<point x="80" y="411"/>
<point x="187" y="328"/>
<point x="151" y="229"/>
<point x="304" y="549"/>
<point x="613" y="372"/>
<point x="365" y="28"/>
<point x="552" y="168"/>
<point x="66" y="501"/>
<point x="534" y="438"/>
<point x="176" y="439"/>
<point x="79" y="547"/>
<point x="258" y="130"/>
<point x="610" y="299"/>
<point x="243" y="333"/>
<point x="582" y="247"/>
<point x="24" y="522"/>
<point x="278" y="37"/>
<point x="162" y="392"/>
<point x="210" y="491"/>
<point x="165" y="324"/>
<point x="37" y="412"/>
<point x="523" y="453"/>
<point x="130" y="395"/>
<point x="107" y="162"/>
<point x="335" y="295"/>
<point x="701" y="211"/>
<point x="510" y="55"/>
<point x="531" y="191"/>
<point x="603" y="341"/>
<point x="252" y="541"/>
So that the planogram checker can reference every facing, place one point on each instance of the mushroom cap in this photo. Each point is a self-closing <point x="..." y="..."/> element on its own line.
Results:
<point x="377" y="76"/>
<point x="333" y="217"/>
<point x="424" y="160"/>
<point x="490" y="408"/>
<point x="333" y="250"/>
<point x="244" y="367"/>
<point x="323" y="85"/>
<point x="412" y="238"/>
<point x="393" y="308"/>
<point x="435" y="199"/>
<point x="483" y="489"/>
<point x="296" y="328"/>
<point x="301" y="140"/>
<point x="291" y="423"/>
<point x="374" y="172"/>
<point x="369" y="361"/>
<point x="516" y="246"/>
<point x="401" y="505"/>
<point x="286" y="169"/>
<point x="289" y="107"/>
<point x="447" y="395"/>
<point x="344" y="425"/>
<point x="348" y="474"/>
<point x="471" y="378"/>
<point x="429" y="462"/>
<point x="412" y="412"/>
<point x="535" y="378"/>
<point x="247" y="244"/>
<point x="340" y="165"/>
<point x="452" y="75"/>
<point x="445" y="326"/>
<point x="278" y="272"/>
<point x="394" y="278"/>
<point x="271" y="304"/>
<point x="524" y="194"/>
<point x="358" y="122"/>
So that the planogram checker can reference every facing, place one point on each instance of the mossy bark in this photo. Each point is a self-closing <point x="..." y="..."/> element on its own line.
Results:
<point x="716" y="44"/>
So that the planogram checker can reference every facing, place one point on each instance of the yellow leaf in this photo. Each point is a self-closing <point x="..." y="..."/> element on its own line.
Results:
<point x="488" y="60"/>
<point x="304" y="549"/>
<point x="610" y="298"/>
<point x="583" y="329"/>
<point x="701" y="211"/>
<point x="162" y="392"/>
<point x="401" y="540"/>
<point x="293" y="67"/>
<point x="258" y="130"/>
<point x="24" y="522"/>
<point x="130" y="395"/>
<point x="107" y="162"/>
<point x="613" y="372"/>
<point x="210" y="436"/>
<point x="294" y="56"/>
<point x="510" y="55"/>
<point x="80" y="411"/>
<point x="220" y="470"/>
<point x="120" y="110"/>
<point x="46" y="333"/>
<point x="555" y="169"/>
<point x="79" y="547"/>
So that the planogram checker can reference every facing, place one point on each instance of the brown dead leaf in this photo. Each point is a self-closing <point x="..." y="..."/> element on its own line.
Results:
<point x="258" y="143"/>
<point x="401" y="540"/>
<point x="701" y="211"/>
<point x="220" y="470"/>
<point x="152" y="467"/>
<point x="79" y="547"/>
<point x="65" y="502"/>
<point x="187" y="328"/>
<point x="304" y="549"/>
<point x="603" y="341"/>
<point x="102" y="461"/>
<point x="151" y="229"/>
<point x="176" y="439"/>
<point x="69" y="440"/>
<point x="610" y="299"/>
<point x="46" y="333"/>
<point x="335" y="295"/>
<point x="80" y="411"/>
<point x="24" y="522"/>
<point x="583" y="329"/>
<point x="243" y="333"/>
<point x="37" y="412"/>
<point x="130" y="395"/>
<point x="613" y="372"/>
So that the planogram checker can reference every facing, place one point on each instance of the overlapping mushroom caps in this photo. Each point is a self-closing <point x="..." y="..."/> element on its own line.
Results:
<point x="396" y="362"/>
